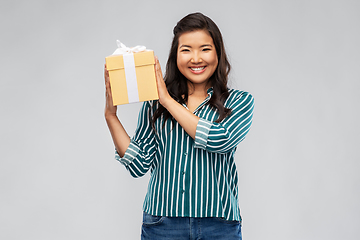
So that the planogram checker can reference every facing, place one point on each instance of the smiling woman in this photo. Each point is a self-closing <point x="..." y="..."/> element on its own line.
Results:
<point x="187" y="139"/>
<point x="180" y="87"/>
<point x="197" y="59"/>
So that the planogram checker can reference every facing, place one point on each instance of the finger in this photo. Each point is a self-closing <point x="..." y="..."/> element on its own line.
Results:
<point x="158" y="69"/>
<point x="105" y="70"/>
<point x="108" y="89"/>
<point x="106" y="73"/>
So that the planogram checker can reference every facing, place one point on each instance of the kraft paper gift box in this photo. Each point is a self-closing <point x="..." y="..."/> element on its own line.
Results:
<point x="132" y="75"/>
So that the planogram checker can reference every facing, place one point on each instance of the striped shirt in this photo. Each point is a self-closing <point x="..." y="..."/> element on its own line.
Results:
<point x="191" y="178"/>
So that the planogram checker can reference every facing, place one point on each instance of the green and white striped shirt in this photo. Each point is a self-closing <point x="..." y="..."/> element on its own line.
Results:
<point x="191" y="178"/>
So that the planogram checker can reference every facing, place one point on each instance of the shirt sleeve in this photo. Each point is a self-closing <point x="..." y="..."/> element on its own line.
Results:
<point x="140" y="153"/>
<point x="223" y="137"/>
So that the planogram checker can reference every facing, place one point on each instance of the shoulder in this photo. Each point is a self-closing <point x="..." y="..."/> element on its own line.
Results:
<point x="238" y="97"/>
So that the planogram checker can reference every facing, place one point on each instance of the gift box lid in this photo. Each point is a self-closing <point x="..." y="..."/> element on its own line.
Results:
<point x="115" y="62"/>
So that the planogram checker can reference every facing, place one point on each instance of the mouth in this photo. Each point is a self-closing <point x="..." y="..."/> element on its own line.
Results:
<point x="197" y="70"/>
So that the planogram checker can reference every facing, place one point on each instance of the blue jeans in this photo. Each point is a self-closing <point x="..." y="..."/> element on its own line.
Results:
<point x="182" y="228"/>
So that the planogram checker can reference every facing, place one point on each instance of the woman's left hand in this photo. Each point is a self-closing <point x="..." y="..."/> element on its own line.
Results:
<point x="164" y="95"/>
<point x="183" y="116"/>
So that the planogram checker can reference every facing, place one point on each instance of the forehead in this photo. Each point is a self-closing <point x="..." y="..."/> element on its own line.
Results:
<point x="195" y="38"/>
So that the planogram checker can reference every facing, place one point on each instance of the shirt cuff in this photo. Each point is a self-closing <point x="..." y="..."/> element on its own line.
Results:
<point x="130" y="154"/>
<point x="202" y="133"/>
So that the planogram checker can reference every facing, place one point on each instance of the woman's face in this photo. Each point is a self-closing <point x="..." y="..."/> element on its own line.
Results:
<point x="196" y="56"/>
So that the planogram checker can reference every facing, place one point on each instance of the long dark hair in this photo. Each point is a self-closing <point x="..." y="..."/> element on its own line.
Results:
<point x="176" y="83"/>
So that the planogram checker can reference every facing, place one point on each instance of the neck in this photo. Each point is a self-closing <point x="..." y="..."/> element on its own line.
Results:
<point x="198" y="90"/>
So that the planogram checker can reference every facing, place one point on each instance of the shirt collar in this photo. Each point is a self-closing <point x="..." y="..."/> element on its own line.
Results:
<point x="210" y="93"/>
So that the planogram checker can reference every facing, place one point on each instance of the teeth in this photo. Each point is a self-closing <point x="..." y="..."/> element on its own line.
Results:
<point x="197" y="69"/>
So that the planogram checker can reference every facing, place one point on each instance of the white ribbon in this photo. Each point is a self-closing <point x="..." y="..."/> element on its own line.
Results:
<point x="131" y="80"/>
<point x="129" y="66"/>
<point x="122" y="49"/>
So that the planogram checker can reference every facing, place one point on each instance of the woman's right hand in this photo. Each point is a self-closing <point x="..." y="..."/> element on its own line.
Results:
<point x="110" y="109"/>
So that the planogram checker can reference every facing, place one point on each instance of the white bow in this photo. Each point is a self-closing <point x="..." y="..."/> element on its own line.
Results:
<point x="122" y="49"/>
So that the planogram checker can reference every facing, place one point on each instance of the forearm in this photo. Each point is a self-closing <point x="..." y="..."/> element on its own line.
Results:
<point x="120" y="138"/>
<point x="183" y="116"/>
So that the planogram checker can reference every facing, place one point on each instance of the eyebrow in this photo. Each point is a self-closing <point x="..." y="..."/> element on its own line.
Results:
<point x="205" y="45"/>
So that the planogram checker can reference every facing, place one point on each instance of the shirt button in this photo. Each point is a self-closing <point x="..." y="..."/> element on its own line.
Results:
<point x="185" y="153"/>
<point x="182" y="172"/>
<point x="182" y="191"/>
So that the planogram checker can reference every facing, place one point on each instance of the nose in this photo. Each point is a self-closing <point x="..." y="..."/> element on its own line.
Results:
<point x="196" y="58"/>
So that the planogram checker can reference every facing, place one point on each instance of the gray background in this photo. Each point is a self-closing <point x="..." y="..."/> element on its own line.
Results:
<point x="298" y="166"/>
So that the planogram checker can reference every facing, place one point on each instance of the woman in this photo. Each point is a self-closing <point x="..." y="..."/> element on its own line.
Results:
<point x="187" y="139"/>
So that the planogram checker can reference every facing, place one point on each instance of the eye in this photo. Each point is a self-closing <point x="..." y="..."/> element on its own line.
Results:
<point x="185" y="50"/>
<point x="206" y="49"/>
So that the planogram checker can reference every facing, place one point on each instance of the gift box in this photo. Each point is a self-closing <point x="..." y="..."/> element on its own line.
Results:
<point x="132" y="75"/>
